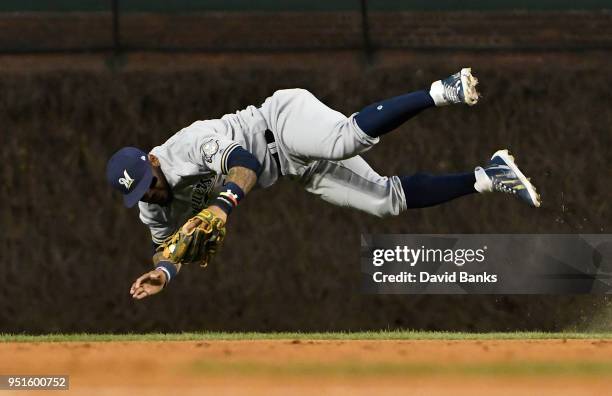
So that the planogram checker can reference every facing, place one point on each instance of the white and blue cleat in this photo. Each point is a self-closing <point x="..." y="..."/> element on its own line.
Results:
<point x="503" y="175"/>
<point x="458" y="88"/>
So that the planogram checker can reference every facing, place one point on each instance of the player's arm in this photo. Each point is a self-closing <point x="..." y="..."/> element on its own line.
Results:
<point x="242" y="171"/>
<point x="154" y="281"/>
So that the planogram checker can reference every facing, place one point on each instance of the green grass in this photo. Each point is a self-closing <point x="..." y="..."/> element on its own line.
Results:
<point x="369" y="335"/>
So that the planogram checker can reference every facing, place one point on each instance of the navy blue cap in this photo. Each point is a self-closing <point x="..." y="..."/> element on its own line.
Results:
<point x="129" y="171"/>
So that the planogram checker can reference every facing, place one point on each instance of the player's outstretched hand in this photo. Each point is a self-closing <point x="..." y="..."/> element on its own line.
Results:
<point x="148" y="284"/>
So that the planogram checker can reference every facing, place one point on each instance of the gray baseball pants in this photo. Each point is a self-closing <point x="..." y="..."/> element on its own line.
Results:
<point x="320" y="147"/>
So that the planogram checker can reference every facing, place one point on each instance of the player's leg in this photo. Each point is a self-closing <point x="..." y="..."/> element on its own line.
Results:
<point x="500" y="174"/>
<point x="384" y="116"/>
<point x="306" y="129"/>
<point x="353" y="183"/>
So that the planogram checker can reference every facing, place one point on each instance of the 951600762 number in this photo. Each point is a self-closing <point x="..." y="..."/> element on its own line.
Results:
<point x="30" y="382"/>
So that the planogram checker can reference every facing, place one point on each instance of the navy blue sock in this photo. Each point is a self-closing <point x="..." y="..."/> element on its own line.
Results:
<point x="382" y="117"/>
<point x="422" y="190"/>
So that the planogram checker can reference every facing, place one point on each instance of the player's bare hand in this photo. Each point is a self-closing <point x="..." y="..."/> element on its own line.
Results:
<point x="148" y="284"/>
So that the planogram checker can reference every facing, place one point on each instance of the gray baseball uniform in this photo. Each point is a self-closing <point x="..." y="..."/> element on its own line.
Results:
<point x="317" y="145"/>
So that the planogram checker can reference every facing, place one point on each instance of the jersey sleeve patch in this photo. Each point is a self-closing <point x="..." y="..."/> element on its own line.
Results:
<point x="214" y="153"/>
<point x="207" y="145"/>
<point x="209" y="149"/>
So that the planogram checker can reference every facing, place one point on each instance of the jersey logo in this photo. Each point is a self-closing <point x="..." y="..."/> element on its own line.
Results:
<point x="127" y="180"/>
<point x="209" y="149"/>
<point x="201" y="193"/>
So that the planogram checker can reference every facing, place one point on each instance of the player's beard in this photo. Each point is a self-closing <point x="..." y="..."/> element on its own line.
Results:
<point x="160" y="192"/>
<point x="159" y="196"/>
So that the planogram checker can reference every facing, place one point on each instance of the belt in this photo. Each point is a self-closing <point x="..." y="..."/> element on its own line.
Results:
<point x="273" y="148"/>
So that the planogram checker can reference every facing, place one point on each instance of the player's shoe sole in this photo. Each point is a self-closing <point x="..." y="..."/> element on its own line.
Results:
<point x="457" y="88"/>
<point x="468" y="83"/>
<point x="533" y="198"/>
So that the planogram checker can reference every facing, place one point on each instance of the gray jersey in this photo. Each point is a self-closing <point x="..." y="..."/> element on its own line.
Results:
<point x="194" y="161"/>
<point x="317" y="145"/>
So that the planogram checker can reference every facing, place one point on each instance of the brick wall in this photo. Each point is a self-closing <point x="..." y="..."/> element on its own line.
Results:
<point x="219" y="31"/>
<point x="70" y="250"/>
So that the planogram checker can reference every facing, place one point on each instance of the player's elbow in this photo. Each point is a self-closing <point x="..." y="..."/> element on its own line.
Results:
<point x="240" y="157"/>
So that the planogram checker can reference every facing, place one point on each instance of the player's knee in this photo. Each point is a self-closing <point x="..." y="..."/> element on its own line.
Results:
<point x="303" y="94"/>
<point x="385" y="211"/>
<point x="301" y="91"/>
<point x="392" y="204"/>
<point x="292" y="92"/>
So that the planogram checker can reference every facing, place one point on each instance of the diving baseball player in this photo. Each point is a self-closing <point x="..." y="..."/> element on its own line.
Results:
<point x="187" y="187"/>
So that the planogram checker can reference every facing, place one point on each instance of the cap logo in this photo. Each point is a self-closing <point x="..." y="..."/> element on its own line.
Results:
<point x="126" y="181"/>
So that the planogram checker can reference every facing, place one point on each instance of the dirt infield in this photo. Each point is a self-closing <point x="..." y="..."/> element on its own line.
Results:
<point x="303" y="367"/>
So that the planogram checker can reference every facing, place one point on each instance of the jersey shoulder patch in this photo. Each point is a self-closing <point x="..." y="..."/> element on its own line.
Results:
<point x="209" y="149"/>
